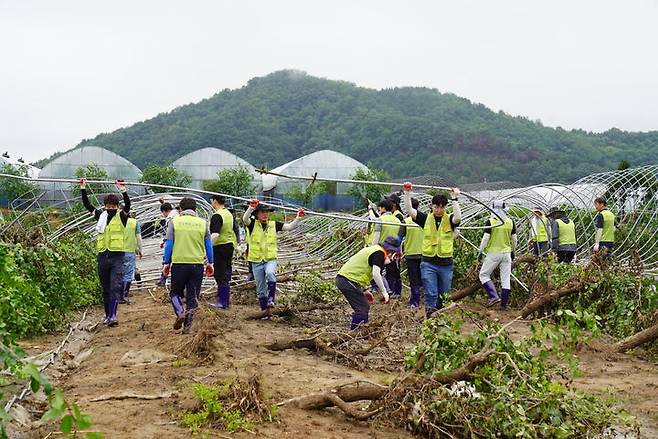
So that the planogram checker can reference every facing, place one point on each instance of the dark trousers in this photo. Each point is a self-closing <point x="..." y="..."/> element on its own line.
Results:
<point x="413" y="271"/>
<point x="565" y="256"/>
<point x="540" y="248"/>
<point x="223" y="255"/>
<point x="354" y="295"/>
<point x="186" y="282"/>
<point x="110" y="273"/>
<point x="392" y="272"/>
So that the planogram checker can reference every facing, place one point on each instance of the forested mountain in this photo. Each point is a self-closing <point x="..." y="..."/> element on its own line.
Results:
<point x="407" y="131"/>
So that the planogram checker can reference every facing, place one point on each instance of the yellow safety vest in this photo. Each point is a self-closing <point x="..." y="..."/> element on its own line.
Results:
<point x="112" y="237"/>
<point x="389" y="230"/>
<point x="226" y="235"/>
<point x="437" y="242"/>
<point x="357" y="268"/>
<point x="608" y="234"/>
<point x="413" y="239"/>
<point x="542" y="229"/>
<point x="262" y="244"/>
<point x="501" y="236"/>
<point x="566" y="232"/>
<point x="130" y="237"/>
<point x="189" y="240"/>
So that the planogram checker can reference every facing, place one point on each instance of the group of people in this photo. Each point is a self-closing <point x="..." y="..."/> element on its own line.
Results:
<point x="424" y="240"/>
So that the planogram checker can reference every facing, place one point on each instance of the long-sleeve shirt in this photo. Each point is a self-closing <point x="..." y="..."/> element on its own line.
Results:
<point x="123" y="214"/>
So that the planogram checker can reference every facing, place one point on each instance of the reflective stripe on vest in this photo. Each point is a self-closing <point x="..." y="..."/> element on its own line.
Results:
<point x="226" y="235"/>
<point x="389" y="230"/>
<point x="608" y="226"/>
<point x="112" y="237"/>
<point x="130" y="236"/>
<point x="501" y="236"/>
<point x="189" y="240"/>
<point x="262" y="244"/>
<point x="413" y="239"/>
<point x="542" y="229"/>
<point x="357" y="268"/>
<point x="437" y="242"/>
<point x="566" y="232"/>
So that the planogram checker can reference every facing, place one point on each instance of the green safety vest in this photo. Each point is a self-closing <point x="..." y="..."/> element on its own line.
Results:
<point x="566" y="232"/>
<point x="226" y="235"/>
<point x="130" y="237"/>
<point x="357" y="268"/>
<point x="262" y="244"/>
<point x="542" y="229"/>
<point x="608" y="234"/>
<point x="112" y="237"/>
<point x="413" y="239"/>
<point x="371" y="234"/>
<point x="189" y="240"/>
<point x="389" y="230"/>
<point x="437" y="242"/>
<point x="501" y="236"/>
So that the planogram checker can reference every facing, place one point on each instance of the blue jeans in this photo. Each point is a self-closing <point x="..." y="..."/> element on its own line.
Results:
<point x="264" y="272"/>
<point x="437" y="280"/>
<point x="129" y="266"/>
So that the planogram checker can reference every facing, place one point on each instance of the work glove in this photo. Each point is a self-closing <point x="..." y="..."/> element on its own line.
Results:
<point x="407" y="186"/>
<point x="83" y="183"/>
<point x="455" y="192"/>
<point x="161" y="200"/>
<point x="254" y="204"/>
<point x="166" y="268"/>
<point x="301" y="213"/>
<point x="121" y="185"/>
<point x="385" y="297"/>
<point x="596" y="248"/>
<point x="369" y="297"/>
<point x="162" y="245"/>
<point x="210" y="270"/>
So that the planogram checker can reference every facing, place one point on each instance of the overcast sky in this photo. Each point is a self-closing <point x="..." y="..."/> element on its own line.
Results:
<point x="72" y="69"/>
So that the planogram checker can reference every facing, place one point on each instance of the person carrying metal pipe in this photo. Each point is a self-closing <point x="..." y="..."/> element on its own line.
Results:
<point x="412" y="249"/>
<point x="498" y="244"/>
<point x="133" y="248"/>
<point x="563" y="236"/>
<point x="605" y="227"/>
<point x="540" y="230"/>
<point x="439" y="231"/>
<point x="110" y="227"/>
<point x="357" y="273"/>
<point x="224" y="234"/>
<point x="263" y="249"/>
<point x="188" y="248"/>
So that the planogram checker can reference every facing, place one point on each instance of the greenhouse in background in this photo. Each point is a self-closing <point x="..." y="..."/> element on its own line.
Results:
<point x="204" y="164"/>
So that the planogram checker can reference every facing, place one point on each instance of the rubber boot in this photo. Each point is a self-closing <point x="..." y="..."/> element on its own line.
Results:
<point x="179" y="310"/>
<point x="112" y="319"/>
<point x="271" y="298"/>
<point x="226" y="296"/>
<point x="504" y="296"/>
<point x="396" y="288"/>
<point x="187" y="325"/>
<point x="127" y="292"/>
<point x="490" y="288"/>
<point x="357" y="320"/>
<point x="262" y="301"/>
<point x="218" y="299"/>
<point x="414" y="297"/>
<point x="138" y="275"/>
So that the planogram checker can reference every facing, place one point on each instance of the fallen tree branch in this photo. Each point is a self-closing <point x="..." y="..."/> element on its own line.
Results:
<point x="640" y="338"/>
<point x="289" y="311"/>
<point x="123" y="396"/>
<point x="545" y="299"/>
<point x="351" y="392"/>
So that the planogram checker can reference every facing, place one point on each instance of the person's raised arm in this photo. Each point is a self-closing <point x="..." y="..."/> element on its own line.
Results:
<point x="126" y="199"/>
<point x="246" y="218"/>
<point x="85" y="197"/>
<point x="456" y="210"/>
<point x="292" y="225"/>
<point x="406" y="200"/>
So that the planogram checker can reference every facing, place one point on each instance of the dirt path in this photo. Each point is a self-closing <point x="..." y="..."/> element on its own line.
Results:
<point x="146" y="324"/>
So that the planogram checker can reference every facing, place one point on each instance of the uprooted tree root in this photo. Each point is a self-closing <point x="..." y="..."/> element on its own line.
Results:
<point x="199" y="345"/>
<point x="247" y="396"/>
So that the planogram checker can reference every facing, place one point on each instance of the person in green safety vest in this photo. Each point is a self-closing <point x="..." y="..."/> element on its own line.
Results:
<point x="263" y="249"/>
<point x="133" y="248"/>
<point x="498" y="244"/>
<point x="563" y="235"/>
<point x="605" y="227"/>
<point x="540" y="230"/>
<point x="110" y="228"/>
<point x="389" y="229"/>
<point x="412" y="248"/>
<point x="359" y="270"/>
<point x="187" y="249"/>
<point x="224" y="234"/>
<point x="439" y="231"/>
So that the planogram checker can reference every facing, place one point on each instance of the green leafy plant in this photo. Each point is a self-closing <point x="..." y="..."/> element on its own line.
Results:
<point x="305" y="193"/>
<point x="91" y="172"/>
<point x="312" y="289"/>
<point x="11" y="188"/>
<point x="372" y="192"/>
<point x="165" y="175"/>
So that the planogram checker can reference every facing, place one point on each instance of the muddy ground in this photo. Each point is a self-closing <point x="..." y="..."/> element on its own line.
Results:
<point x="91" y="367"/>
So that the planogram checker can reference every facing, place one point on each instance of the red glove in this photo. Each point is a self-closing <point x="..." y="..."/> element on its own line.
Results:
<point x="384" y="300"/>
<point x="369" y="297"/>
<point x="120" y="181"/>
<point x="254" y="203"/>
<point x="301" y="213"/>
<point x="210" y="270"/>
<point x="165" y="270"/>
<point x="407" y="186"/>
<point x="161" y="200"/>
<point x="83" y="182"/>
<point x="162" y="245"/>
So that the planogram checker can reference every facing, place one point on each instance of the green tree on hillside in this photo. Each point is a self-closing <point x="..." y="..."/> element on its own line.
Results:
<point x="164" y="175"/>
<point x="372" y="192"/>
<point x="233" y="181"/>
